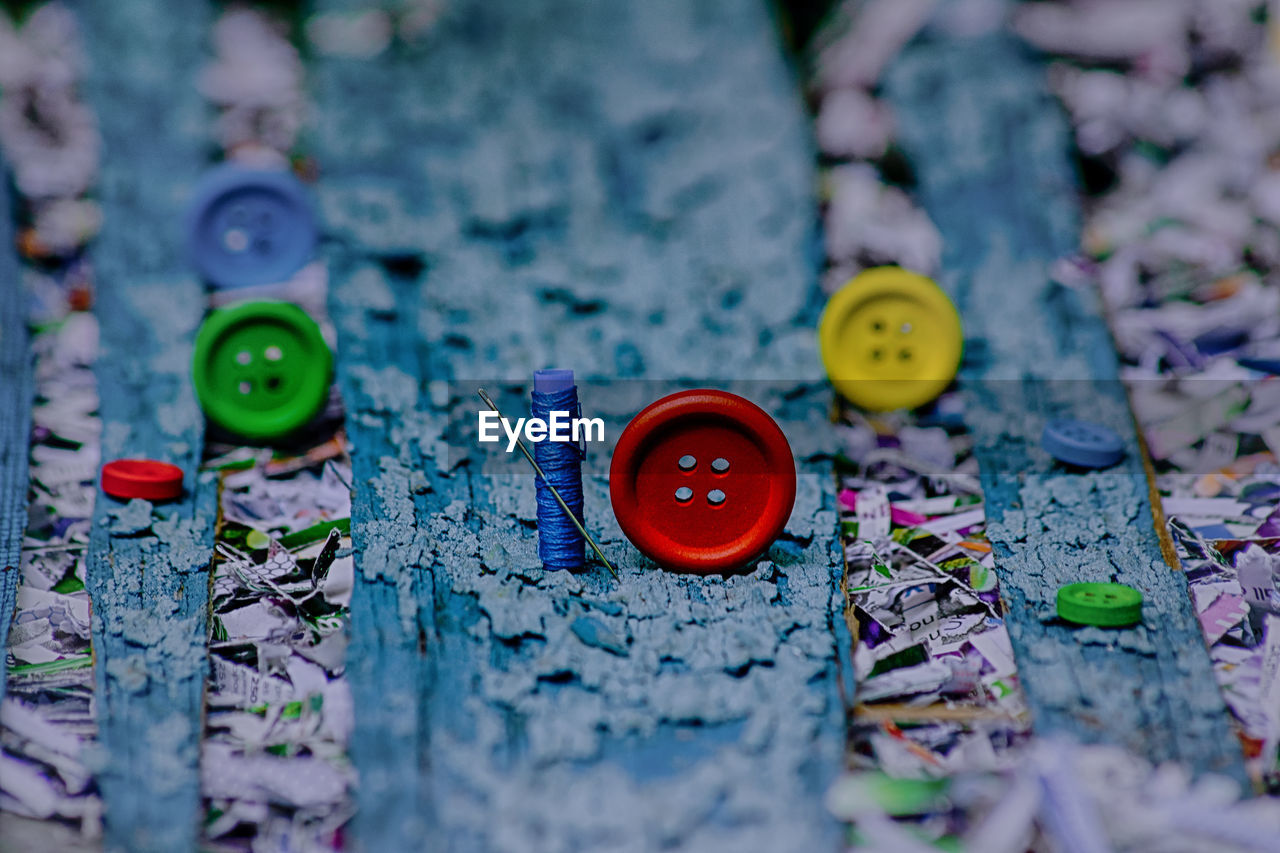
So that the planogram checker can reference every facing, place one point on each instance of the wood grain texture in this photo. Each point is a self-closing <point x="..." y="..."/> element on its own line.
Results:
<point x="624" y="189"/>
<point x="146" y="570"/>
<point x="989" y="148"/>
<point x="17" y="387"/>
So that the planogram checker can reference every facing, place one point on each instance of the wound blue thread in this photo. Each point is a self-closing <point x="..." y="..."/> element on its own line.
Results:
<point x="560" y="545"/>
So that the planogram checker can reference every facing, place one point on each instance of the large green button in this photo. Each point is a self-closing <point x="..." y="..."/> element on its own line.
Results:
<point x="895" y="797"/>
<point x="1105" y="605"/>
<point x="261" y="369"/>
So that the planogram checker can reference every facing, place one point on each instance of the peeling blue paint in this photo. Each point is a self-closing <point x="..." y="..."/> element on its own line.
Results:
<point x="17" y="388"/>
<point x="595" y="633"/>
<point x="625" y="189"/>
<point x="145" y="565"/>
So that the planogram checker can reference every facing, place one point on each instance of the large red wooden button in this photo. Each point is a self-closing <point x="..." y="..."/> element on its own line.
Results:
<point x="702" y="481"/>
<point x="142" y="478"/>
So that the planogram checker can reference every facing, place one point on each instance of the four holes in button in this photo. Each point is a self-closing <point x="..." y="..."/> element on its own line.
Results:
<point x="275" y="381"/>
<point x="239" y="237"/>
<point x="878" y="326"/>
<point x="687" y="463"/>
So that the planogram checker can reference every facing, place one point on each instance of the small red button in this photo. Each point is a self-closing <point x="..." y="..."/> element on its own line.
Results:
<point x="142" y="478"/>
<point x="702" y="481"/>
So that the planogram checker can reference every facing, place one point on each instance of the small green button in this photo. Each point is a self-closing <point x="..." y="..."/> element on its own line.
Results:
<point x="261" y="369"/>
<point x="895" y="797"/>
<point x="1104" y="605"/>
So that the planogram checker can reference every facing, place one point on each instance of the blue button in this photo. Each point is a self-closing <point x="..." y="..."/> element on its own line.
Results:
<point x="1264" y="365"/>
<point x="1083" y="444"/>
<point x="249" y="226"/>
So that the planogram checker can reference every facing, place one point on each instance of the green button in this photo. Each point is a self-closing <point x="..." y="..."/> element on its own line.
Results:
<point x="1105" y="605"/>
<point x="895" y="797"/>
<point x="261" y="369"/>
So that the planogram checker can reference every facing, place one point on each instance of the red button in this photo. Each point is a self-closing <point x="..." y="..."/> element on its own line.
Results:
<point x="702" y="481"/>
<point x="142" y="478"/>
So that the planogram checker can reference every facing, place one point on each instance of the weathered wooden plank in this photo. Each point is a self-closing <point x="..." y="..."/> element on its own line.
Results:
<point x="989" y="149"/>
<point x="146" y="565"/>
<point x="16" y="390"/>
<point x="624" y="189"/>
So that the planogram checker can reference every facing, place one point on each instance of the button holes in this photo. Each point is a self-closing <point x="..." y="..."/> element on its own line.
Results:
<point x="720" y="465"/>
<point x="684" y="494"/>
<point x="235" y="240"/>
<point x="877" y="354"/>
<point x="273" y="383"/>
<point x="687" y="463"/>
<point x="262" y="246"/>
<point x="877" y="325"/>
<point x="243" y="357"/>
<point x="273" y="353"/>
<point x="906" y="329"/>
<point x="715" y="497"/>
<point x="904" y="355"/>
<point x="246" y="387"/>
<point x="238" y="215"/>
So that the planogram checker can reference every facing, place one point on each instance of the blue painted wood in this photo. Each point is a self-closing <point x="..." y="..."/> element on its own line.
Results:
<point x="989" y="149"/>
<point x="624" y="189"/>
<point x="146" y="569"/>
<point x="17" y="387"/>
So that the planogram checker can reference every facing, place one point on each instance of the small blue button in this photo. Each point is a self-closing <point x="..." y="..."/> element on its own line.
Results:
<point x="249" y="226"/>
<point x="1263" y="365"/>
<point x="1083" y="444"/>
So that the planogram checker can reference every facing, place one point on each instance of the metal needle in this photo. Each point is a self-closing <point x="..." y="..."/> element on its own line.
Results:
<point x="564" y="506"/>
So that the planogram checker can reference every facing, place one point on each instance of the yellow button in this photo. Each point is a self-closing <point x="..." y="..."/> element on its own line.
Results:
<point x="890" y="339"/>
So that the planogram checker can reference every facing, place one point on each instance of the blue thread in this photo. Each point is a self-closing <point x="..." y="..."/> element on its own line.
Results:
<point x="560" y="545"/>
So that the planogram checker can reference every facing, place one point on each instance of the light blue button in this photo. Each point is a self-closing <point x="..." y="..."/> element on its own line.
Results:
<point x="1083" y="444"/>
<point x="249" y="226"/>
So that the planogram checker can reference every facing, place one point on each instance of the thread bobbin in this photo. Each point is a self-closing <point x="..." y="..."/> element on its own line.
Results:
<point x="560" y="545"/>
